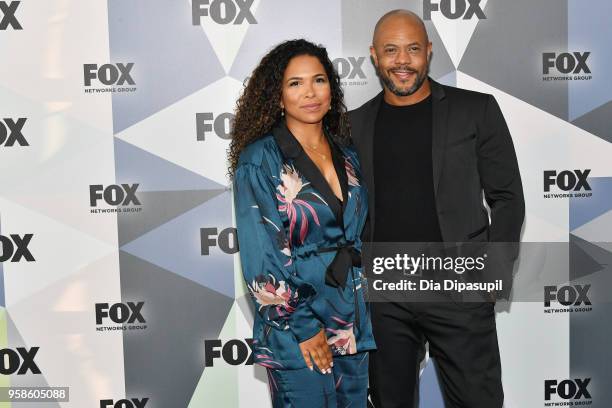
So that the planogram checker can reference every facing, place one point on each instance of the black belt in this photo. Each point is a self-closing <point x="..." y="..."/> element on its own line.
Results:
<point x="346" y="257"/>
<point x="337" y="271"/>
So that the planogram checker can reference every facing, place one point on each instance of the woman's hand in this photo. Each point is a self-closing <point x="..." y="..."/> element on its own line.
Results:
<point x="317" y="348"/>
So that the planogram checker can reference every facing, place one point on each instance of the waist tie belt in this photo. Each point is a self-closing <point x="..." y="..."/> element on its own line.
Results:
<point x="337" y="271"/>
<point x="346" y="257"/>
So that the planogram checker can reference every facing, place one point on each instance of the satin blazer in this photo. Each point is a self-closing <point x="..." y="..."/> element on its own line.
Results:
<point x="300" y="249"/>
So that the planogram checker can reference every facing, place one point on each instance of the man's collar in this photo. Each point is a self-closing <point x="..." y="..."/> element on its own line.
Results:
<point x="437" y="90"/>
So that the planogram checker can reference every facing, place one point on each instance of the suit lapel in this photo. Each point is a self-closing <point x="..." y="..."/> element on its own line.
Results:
<point x="366" y="131"/>
<point x="338" y="159"/>
<point x="292" y="150"/>
<point x="439" y="131"/>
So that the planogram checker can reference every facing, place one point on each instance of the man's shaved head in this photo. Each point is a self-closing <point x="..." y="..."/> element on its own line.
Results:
<point x="401" y="52"/>
<point x="405" y="16"/>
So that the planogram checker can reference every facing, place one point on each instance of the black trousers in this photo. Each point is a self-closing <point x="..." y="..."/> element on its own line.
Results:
<point x="462" y="339"/>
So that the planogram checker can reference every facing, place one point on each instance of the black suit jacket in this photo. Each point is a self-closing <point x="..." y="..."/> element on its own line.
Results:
<point x="473" y="157"/>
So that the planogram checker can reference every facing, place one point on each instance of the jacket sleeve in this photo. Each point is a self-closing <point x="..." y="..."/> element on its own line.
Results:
<point x="501" y="181"/>
<point x="500" y="176"/>
<point x="281" y="298"/>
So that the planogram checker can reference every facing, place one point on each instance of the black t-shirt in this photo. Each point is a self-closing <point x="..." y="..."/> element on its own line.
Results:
<point x="403" y="175"/>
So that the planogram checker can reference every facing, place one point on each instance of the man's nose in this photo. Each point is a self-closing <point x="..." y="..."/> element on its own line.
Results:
<point x="403" y="57"/>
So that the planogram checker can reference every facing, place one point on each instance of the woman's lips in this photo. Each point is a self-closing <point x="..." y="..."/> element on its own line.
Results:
<point x="311" y="107"/>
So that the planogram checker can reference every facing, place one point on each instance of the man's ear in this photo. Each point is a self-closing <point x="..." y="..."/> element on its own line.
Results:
<point x="373" y="56"/>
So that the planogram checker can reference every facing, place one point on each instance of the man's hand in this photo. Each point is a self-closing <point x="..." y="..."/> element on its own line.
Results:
<point x="317" y="348"/>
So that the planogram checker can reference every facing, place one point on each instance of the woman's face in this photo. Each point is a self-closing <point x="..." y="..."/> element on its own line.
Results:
<point x="306" y="93"/>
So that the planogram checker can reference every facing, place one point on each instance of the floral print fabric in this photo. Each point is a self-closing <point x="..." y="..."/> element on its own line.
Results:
<point x="282" y="220"/>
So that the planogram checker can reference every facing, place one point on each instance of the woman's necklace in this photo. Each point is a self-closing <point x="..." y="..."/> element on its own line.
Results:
<point x="314" y="150"/>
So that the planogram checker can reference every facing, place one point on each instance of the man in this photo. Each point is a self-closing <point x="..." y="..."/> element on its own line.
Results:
<point x="429" y="154"/>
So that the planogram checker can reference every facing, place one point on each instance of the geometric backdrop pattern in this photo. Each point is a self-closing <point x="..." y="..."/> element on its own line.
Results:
<point x="119" y="268"/>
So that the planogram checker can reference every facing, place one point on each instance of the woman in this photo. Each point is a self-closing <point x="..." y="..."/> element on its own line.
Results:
<point x="300" y="210"/>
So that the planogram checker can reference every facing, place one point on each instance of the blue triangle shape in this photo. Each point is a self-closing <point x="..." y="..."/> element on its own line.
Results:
<point x="176" y="246"/>
<point x="429" y="388"/>
<point x="585" y="26"/>
<point x="172" y="57"/>
<point x="449" y="79"/>
<point x="152" y="173"/>
<point x="582" y="263"/>
<point x="585" y="209"/>
<point x="180" y="315"/>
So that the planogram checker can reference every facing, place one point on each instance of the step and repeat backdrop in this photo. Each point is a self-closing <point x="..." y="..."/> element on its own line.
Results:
<point x="120" y="280"/>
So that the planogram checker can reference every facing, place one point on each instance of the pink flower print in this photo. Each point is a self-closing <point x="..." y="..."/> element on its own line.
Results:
<point x="343" y="341"/>
<point x="270" y="292"/>
<point x="350" y="172"/>
<point x="291" y="183"/>
<point x="290" y="187"/>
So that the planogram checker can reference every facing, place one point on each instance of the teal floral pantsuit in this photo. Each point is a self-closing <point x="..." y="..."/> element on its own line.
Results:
<point x="300" y="252"/>
<point x="347" y="386"/>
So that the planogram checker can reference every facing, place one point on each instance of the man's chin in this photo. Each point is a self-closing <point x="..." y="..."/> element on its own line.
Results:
<point x="400" y="89"/>
<point x="403" y="91"/>
<point x="406" y="89"/>
<point x="402" y="85"/>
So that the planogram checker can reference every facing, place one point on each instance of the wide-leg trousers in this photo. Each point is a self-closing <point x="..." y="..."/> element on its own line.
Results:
<point x="346" y="386"/>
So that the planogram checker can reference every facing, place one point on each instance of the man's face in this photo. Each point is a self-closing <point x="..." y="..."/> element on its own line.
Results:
<point x="401" y="53"/>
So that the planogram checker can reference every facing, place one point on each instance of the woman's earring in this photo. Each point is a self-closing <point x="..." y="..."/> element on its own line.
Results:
<point x="282" y="112"/>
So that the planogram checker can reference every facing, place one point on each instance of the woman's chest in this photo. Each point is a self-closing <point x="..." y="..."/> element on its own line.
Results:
<point x="310" y="208"/>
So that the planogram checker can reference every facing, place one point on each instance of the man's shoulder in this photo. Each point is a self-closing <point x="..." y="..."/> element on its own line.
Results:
<point x="461" y="95"/>
<point x="365" y="107"/>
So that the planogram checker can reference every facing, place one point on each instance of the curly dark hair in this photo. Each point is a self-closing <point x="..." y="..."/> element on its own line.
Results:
<point x="258" y="107"/>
